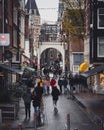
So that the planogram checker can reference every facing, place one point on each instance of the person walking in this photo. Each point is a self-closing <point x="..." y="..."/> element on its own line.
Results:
<point x="27" y="102"/>
<point x="39" y="91"/>
<point x="60" y="83"/>
<point x="55" y="96"/>
<point x="65" y="83"/>
<point x="47" y="85"/>
<point x="71" y="83"/>
<point x="36" y="105"/>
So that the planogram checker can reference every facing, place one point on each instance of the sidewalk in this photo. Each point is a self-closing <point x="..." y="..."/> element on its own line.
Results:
<point x="93" y="104"/>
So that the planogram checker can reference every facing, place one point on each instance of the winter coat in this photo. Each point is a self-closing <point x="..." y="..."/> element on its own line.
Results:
<point x="27" y="97"/>
<point x="53" y="82"/>
<point x="37" y="96"/>
<point x="60" y="81"/>
<point x="39" y="91"/>
<point x="65" y="82"/>
<point x="55" y="93"/>
<point x="36" y="101"/>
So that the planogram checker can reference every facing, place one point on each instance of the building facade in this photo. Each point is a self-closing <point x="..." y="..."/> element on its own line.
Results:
<point x="12" y="23"/>
<point x="94" y="41"/>
<point x="32" y="29"/>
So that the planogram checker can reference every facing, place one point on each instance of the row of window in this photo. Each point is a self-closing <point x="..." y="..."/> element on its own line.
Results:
<point x="100" y="24"/>
<point x="100" y="14"/>
<point x="100" y="46"/>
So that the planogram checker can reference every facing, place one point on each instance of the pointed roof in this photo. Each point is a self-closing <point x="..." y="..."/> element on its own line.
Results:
<point x="31" y="4"/>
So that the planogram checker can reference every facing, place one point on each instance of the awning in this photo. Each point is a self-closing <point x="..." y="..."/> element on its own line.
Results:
<point x="8" y="68"/>
<point x="96" y="70"/>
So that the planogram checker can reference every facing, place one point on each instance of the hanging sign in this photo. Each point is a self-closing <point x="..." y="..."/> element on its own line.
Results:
<point x="4" y="39"/>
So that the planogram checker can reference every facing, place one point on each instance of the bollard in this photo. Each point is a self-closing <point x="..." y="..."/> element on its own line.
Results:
<point x="68" y="121"/>
<point x="20" y="126"/>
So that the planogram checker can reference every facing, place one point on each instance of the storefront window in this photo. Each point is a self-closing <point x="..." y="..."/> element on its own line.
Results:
<point x="101" y="80"/>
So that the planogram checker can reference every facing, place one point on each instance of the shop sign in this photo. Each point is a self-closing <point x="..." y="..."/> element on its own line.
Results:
<point x="4" y="39"/>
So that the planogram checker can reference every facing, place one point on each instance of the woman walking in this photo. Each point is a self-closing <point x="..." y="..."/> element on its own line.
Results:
<point x="55" y="96"/>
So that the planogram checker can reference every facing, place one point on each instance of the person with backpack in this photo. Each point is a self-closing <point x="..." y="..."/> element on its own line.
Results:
<point x="38" y="101"/>
<point x="55" y="96"/>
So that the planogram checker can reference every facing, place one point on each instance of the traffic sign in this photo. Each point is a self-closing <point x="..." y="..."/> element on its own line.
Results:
<point x="4" y="39"/>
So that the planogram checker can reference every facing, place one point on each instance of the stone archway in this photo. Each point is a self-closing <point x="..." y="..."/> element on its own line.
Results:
<point x="57" y="45"/>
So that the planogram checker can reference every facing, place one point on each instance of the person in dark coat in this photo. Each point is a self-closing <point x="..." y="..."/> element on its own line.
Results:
<point x="55" y="95"/>
<point x="60" y="83"/>
<point x="39" y="92"/>
<point x="36" y="105"/>
<point x="27" y="102"/>
<point x="65" y="83"/>
<point x="71" y="83"/>
<point x="36" y="100"/>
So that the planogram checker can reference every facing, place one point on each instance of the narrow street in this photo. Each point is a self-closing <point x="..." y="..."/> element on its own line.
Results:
<point x="78" y="118"/>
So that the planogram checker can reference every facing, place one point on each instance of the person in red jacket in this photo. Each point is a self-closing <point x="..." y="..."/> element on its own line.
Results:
<point x="53" y="82"/>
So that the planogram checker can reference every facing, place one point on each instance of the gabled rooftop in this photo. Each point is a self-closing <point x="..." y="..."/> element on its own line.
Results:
<point x="31" y="5"/>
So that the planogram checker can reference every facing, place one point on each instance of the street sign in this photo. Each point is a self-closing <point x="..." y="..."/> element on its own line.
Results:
<point x="4" y="39"/>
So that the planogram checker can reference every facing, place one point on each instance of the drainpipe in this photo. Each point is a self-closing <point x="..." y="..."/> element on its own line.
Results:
<point x="3" y="28"/>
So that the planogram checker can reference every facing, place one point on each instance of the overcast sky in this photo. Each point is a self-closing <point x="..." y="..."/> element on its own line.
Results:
<point x="48" y="10"/>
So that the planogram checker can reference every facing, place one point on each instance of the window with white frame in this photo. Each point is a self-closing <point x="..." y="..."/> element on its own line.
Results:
<point x="100" y="18"/>
<point x="100" y="46"/>
<point x="78" y="58"/>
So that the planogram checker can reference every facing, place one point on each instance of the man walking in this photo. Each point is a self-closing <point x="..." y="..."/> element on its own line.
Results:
<point x="27" y="102"/>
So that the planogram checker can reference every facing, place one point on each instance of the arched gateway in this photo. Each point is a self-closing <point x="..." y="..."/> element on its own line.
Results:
<point x="57" y="45"/>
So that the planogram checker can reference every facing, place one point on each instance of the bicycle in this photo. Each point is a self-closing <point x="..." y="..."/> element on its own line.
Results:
<point x="37" y="117"/>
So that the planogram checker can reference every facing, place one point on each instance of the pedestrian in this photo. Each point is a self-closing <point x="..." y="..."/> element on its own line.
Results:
<point x="27" y="102"/>
<point x="71" y="83"/>
<point x="36" y="105"/>
<point x="65" y="83"/>
<point x="36" y="101"/>
<point x="55" y="96"/>
<point x="47" y="85"/>
<point x="60" y="83"/>
<point x="39" y="92"/>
